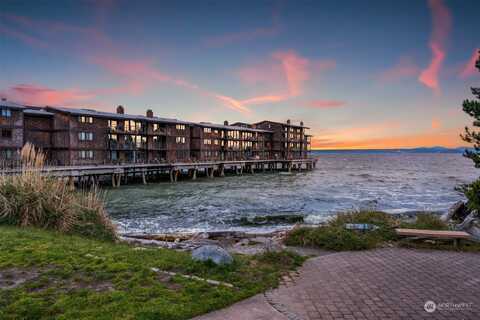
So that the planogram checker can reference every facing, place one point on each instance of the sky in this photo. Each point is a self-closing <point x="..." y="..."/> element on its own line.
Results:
<point x="360" y="74"/>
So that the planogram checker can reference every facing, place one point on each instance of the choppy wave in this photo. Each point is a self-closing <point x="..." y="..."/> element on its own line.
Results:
<point x="395" y="183"/>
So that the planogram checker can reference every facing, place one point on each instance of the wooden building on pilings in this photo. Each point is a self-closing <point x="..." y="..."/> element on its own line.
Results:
<point x="84" y="137"/>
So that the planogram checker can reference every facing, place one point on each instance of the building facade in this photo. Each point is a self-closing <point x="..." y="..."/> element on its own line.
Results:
<point x="70" y="136"/>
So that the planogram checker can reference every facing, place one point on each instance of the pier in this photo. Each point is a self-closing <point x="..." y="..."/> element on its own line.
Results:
<point x="121" y="174"/>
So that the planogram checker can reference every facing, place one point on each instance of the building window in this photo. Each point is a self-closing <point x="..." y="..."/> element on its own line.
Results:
<point x="113" y="125"/>
<point x="6" y="134"/>
<point x="7" y="154"/>
<point x="6" y="112"/>
<point x="113" y="155"/>
<point x="131" y="126"/>
<point x="207" y="130"/>
<point x="85" y="154"/>
<point x="85" y="119"/>
<point x="215" y="142"/>
<point x="180" y="140"/>
<point x="180" y="127"/>
<point x="141" y="141"/>
<point x="85" y="136"/>
<point x="207" y="141"/>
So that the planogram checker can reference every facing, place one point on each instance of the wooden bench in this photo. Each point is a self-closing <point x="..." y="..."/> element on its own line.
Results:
<point x="456" y="236"/>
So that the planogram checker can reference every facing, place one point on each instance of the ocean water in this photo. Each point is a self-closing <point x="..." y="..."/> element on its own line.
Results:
<point x="393" y="182"/>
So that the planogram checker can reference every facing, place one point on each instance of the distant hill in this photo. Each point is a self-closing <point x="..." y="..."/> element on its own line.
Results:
<point x="412" y="150"/>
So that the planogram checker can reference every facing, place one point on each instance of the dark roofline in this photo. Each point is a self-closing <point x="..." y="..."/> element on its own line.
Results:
<point x="49" y="110"/>
<point x="283" y="123"/>
<point x="112" y="115"/>
<point x="11" y="105"/>
<point x="38" y="112"/>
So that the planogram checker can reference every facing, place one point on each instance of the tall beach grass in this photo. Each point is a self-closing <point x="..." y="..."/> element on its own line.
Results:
<point x="32" y="198"/>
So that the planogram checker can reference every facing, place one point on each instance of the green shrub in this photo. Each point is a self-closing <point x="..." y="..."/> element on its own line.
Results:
<point x="472" y="193"/>
<point x="428" y="221"/>
<point x="334" y="236"/>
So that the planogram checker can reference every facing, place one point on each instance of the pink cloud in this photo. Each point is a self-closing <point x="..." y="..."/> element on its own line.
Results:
<point x="405" y="68"/>
<point x="325" y="104"/>
<point x="263" y="99"/>
<point x="285" y="73"/>
<point x="468" y="69"/>
<point x="442" y="23"/>
<point x="231" y="103"/>
<point x="32" y="41"/>
<point x="38" y="95"/>
<point x="137" y="75"/>
<point x="296" y="70"/>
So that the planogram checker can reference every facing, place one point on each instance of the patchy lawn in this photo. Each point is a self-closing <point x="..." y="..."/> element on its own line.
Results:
<point x="45" y="275"/>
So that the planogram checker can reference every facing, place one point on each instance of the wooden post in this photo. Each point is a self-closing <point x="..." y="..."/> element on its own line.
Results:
<point x="172" y="178"/>
<point x="252" y="169"/>
<point x="289" y="166"/>
<point x="144" y="178"/>
<point x="221" y="170"/>
<point x="194" y="174"/>
<point x="71" y="183"/>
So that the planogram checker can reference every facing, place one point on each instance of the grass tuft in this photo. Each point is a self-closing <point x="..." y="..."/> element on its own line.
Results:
<point x="428" y="221"/>
<point x="334" y="236"/>
<point x="35" y="199"/>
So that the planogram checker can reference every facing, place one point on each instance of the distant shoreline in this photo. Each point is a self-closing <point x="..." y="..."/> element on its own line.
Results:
<point x="458" y="150"/>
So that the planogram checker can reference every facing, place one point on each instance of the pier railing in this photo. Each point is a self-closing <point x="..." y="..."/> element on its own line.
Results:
<point x="119" y="172"/>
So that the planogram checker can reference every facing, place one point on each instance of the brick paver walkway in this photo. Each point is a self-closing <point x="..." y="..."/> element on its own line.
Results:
<point x="377" y="284"/>
<point x="385" y="284"/>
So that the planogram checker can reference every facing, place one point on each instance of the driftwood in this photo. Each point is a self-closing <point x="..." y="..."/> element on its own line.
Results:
<point x="471" y="224"/>
<point x="458" y="212"/>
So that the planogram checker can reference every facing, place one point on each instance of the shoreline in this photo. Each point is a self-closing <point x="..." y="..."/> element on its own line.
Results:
<point x="234" y="241"/>
<point x="265" y="225"/>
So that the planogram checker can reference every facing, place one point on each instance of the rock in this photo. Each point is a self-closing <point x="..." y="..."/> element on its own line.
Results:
<point x="216" y="254"/>
<point x="368" y="205"/>
<point x="458" y="211"/>
<point x="471" y="225"/>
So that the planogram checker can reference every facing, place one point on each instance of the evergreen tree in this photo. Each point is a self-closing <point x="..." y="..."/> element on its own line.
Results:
<point x="472" y="108"/>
